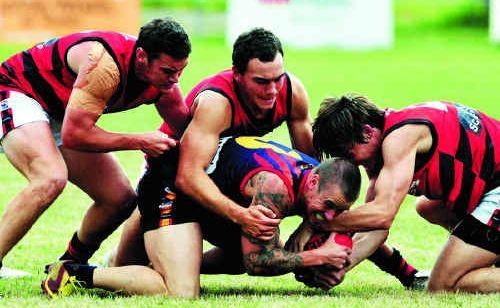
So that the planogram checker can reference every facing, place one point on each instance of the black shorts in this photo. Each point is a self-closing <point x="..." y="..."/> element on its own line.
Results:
<point x="474" y="232"/>
<point x="160" y="206"/>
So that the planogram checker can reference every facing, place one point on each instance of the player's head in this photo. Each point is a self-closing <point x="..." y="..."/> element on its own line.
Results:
<point x="349" y="126"/>
<point x="331" y="188"/>
<point x="162" y="50"/>
<point x="258" y="68"/>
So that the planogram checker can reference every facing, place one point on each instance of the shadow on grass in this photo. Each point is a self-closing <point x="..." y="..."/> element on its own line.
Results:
<point x="362" y="291"/>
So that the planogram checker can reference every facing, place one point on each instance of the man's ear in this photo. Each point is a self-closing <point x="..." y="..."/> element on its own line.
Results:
<point x="313" y="181"/>
<point x="367" y="132"/>
<point x="236" y="74"/>
<point x="141" y="56"/>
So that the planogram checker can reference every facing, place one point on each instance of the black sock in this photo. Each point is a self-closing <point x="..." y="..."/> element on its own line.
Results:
<point x="78" y="251"/>
<point x="83" y="273"/>
<point x="395" y="265"/>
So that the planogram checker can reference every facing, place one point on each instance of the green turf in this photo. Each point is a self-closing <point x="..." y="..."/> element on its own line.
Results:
<point x="424" y="65"/>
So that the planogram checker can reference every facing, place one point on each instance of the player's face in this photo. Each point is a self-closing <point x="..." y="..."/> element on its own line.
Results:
<point x="366" y="153"/>
<point x="164" y="71"/>
<point x="261" y="83"/>
<point x="323" y="206"/>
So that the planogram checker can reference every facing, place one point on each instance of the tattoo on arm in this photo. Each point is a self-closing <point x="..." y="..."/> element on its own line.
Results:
<point x="270" y="260"/>
<point x="267" y="194"/>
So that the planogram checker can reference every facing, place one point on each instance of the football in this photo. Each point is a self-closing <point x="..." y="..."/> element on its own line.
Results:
<point x="319" y="238"/>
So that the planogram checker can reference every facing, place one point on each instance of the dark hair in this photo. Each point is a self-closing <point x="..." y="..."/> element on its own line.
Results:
<point x="341" y="172"/>
<point x="164" y="36"/>
<point x="340" y="121"/>
<point x="257" y="43"/>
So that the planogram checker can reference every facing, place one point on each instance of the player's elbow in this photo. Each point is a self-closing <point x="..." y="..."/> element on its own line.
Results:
<point x="71" y="139"/>
<point x="182" y="181"/>
<point x="385" y="222"/>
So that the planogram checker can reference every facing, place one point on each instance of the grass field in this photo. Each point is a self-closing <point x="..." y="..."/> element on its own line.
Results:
<point x="452" y="64"/>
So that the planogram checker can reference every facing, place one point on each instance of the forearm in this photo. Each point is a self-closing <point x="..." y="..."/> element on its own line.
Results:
<point x="99" y="140"/>
<point x="365" y="244"/>
<point x="199" y="186"/>
<point x="364" y="218"/>
<point x="177" y="117"/>
<point x="277" y="261"/>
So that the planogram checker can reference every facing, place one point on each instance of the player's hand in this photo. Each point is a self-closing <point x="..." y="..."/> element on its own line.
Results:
<point x="299" y="237"/>
<point x="320" y="277"/>
<point x="327" y="279"/>
<point x="259" y="222"/>
<point x="333" y="254"/>
<point x="156" y="143"/>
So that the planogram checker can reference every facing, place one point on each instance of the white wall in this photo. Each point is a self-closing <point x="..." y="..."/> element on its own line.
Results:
<point x="349" y="24"/>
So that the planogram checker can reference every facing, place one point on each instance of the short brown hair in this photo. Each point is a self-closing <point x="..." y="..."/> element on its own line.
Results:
<point x="339" y="124"/>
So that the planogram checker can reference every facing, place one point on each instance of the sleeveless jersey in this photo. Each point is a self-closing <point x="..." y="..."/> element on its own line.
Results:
<point x="242" y="120"/>
<point x="42" y="72"/>
<point x="238" y="159"/>
<point x="464" y="160"/>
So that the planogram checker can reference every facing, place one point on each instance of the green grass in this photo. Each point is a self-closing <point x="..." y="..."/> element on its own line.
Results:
<point x="456" y="64"/>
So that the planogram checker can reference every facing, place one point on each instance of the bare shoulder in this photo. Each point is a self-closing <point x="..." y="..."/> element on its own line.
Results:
<point x="417" y="136"/>
<point x="268" y="189"/>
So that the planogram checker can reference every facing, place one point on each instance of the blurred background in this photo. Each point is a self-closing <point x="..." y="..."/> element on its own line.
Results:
<point x="396" y="52"/>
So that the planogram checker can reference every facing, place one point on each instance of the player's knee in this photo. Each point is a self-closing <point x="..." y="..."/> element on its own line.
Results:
<point x="121" y="201"/>
<point x="47" y="189"/>
<point x="445" y="285"/>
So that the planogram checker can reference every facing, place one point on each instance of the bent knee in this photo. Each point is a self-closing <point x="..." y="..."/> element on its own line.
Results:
<point x="122" y="199"/>
<point x="435" y="286"/>
<point x="46" y="190"/>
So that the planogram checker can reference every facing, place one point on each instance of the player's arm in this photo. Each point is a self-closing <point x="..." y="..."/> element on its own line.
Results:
<point x="398" y="151"/>
<point x="97" y="80"/>
<point x="198" y="145"/>
<point x="172" y="108"/>
<point x="268" y="258"/>
<point x="299" y="125"/>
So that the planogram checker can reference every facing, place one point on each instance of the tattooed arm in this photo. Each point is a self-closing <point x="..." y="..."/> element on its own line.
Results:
<point x="268" y="258"/>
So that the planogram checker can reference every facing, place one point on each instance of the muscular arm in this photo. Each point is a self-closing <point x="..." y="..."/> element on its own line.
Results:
<point x="97" y="79"/>
<point x="198" y="145"/>
<point x="299" y="124"/>
<point x="399" y="150"/>
<point x="268" y="258"/>
<point x="172" y="108"/>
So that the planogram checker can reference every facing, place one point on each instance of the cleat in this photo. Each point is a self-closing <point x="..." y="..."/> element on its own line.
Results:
<point x="6" y="273"/>
<point x="420" y="281"/>
<point x="59" y="282"/>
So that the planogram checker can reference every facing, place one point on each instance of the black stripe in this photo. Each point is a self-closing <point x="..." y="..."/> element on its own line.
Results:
<point x="464" y="152"/>
<point x="57" y="64"/>
<point x="221" y="92"/>
<point x="446" y="174"/>
<point x="420" y="159"/>
<point x="288" y="95"/>
<point x="42" y="87"/>
<point x="488" y="165"/>
<point x="3" y="95"/>
<point x="468" y="179"/>
<point x="9" y="69"/>
<point x="7" y="121"/>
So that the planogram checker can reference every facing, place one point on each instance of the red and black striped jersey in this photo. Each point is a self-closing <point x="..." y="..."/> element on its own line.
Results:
<point x="243" y="122"/>
<point x="42" y="72"/>
<point x="464" y="160"/>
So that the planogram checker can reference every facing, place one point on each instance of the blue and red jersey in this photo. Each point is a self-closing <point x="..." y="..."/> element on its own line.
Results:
<point x="42" y="72"/>
<point x="238" y="159"/>
<point x="464" y="160"/>
<point x="243" y="122"/>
